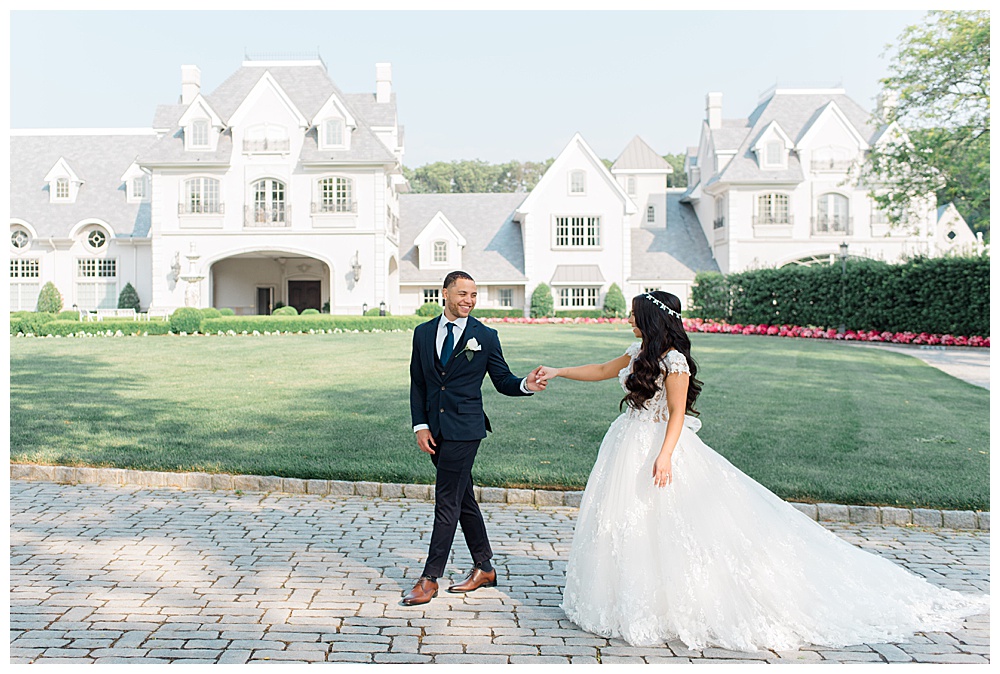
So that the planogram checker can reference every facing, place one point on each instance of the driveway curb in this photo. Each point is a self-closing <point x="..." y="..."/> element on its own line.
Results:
<point x="823" y="512"/>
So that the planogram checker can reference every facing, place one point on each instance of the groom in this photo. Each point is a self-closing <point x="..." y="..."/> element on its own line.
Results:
<point x="451" y="356"/>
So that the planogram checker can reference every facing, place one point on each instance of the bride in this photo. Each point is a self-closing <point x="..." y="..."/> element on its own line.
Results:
<point x="673" y="541"/>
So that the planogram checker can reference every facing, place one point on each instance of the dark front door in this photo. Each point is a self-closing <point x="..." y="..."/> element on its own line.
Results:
<point x="264" y="301"/>
<point x="304" y="295"/>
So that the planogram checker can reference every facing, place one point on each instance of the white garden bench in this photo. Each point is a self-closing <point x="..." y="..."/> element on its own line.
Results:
<point x="162" y="314"/>
<point x="115" y="313"/>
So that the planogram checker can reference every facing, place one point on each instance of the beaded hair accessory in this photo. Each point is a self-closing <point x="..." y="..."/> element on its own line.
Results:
<point x="662" y="306"/>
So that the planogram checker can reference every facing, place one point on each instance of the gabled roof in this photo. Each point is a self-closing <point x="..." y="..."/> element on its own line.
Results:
<point x="267" y="81"/>
<point x="437" y="221"/>
<point x="61" y="169"/>
<point x="638" y="156"/>
<point x="494" y="250"/>
<point x="795" y="111"/>
<point x="557" y="166"/>
<point x="831" y="109"/>
<point x="99" y="159"/>
<point x="676" y="252"/>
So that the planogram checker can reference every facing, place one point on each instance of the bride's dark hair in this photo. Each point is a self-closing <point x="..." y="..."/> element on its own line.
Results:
<point x="661" y="331"/>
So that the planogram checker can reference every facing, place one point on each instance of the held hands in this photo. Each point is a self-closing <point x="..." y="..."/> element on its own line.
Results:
<point x="532" y="381"/>
<point x="543" y="374"/>
<point x="662" y="471"/>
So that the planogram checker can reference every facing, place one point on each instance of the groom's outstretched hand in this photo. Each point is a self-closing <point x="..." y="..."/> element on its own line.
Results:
<point x="532" y="381"/>
<point x="425" y="440"/>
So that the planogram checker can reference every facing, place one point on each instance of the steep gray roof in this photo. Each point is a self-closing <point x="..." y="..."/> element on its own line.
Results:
<point x="494" y="248"/>
<point x="678" y="252"/>
<point x="730" y="136"/>
<point x="99" y="160"/>
<point x="309" y="88"/>
<point x="637" y="155"/>
<point x="794" y="112"/>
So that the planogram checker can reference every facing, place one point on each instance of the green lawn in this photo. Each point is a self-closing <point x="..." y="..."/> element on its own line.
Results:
<point x="810" y="420"/>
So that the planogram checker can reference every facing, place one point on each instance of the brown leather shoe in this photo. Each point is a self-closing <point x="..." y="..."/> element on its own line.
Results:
<point x="425" y="590"/>
<point x="477" y="578"/>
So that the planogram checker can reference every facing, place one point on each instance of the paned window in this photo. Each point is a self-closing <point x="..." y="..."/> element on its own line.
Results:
<point x="432" y="295"/>
<point x="268" y="201"/>
<point x="62" y="188"/>
<point x="201" y="196"/>
<point x="773" y="152"/>
<point x="139" y="188"/>
<point x="333" y="132"/>
<point x="97" y="283"/>
<point x="772" y="209"/>
<point x="199" y="133"/>
<point x="24" y="285"/>
<point x="577" y="298"/>
<point x="650" y="214"/>
<point x="96" y="239"/>
<point x="630" y="186"/>
<point x="578" y="232"/>
<point x="832" y="213"/>
<point x="440" y="251"/>
<point x="649" y="289"/>
<point x="577" y="182"/>
<point x="336" y="195"/>
<point x="506" y="297"/>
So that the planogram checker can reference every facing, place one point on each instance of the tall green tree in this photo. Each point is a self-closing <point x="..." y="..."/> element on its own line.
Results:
<point x="939" y="77"/>
<point x="678" y="178"/>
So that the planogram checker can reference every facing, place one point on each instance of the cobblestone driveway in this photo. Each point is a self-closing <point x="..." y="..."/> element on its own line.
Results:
<point x="130" y="574"/>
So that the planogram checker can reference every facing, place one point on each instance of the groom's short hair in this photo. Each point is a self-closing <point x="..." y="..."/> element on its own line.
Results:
<point x="454" y="276"/>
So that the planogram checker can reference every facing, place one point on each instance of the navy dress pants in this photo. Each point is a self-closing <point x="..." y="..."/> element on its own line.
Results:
<point x="454" y="504"/>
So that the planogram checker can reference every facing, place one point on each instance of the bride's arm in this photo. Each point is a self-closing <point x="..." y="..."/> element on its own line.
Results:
<point x="595" y="372"/>
<point x="677" y="386"/>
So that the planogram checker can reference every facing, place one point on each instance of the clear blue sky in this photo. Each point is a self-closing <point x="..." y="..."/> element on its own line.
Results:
<point x="488" y="85"/>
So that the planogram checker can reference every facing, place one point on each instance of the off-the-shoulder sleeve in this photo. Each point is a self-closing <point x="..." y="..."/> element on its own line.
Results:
<point x="633" y="348"/>
<point x="676" y="362"/>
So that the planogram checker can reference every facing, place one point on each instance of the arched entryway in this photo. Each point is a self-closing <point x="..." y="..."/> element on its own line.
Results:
<point x="257" y="282"/>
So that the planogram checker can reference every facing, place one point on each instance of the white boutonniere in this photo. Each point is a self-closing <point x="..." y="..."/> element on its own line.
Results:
<point x="471" y="347"/>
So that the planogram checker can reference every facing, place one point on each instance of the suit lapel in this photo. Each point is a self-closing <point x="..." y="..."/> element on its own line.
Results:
<point x="467" y="334"/>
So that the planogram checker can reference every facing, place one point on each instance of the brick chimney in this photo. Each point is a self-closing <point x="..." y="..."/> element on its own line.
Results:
<point x="383" y="82"/>
<point x="190" y="83"/>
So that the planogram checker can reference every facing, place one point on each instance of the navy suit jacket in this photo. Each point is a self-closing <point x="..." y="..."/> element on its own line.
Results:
<point x="448" y="397"/>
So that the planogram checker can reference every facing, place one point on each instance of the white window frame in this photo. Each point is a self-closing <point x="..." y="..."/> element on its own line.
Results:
<point x="96" y="283"/>
<point x="578" y="297"/>
<point x="25" y="238"/>
<point x="270" y="201"/>
<point x="139" y="188"/>
<point x="630" y="185"/>
<point x="335" y="195"/>
<point x="432" y="295"/>
<point x="838" y="222"/>
<point x="576" y="232"/>
<point x="63" y="190"/>
<point x="505" y="297"/>
<point x="202" y="196"/>
<point x="25" y="283"/>
<point x="440" y="254"/>
<point x="769" y="206"/>
<point x="650" y="214"/>
<point x="578" y="182"/>
<point x="332" y="132"/>
<point x="774" y="154"/>
<point x="200" y="129"/>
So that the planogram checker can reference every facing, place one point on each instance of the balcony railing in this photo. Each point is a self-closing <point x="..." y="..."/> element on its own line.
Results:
<point x="260" y="216"/>
<point x="718" y="223"/>
<point x="774" y="219"/>
<point x="831" y="164"/>
<point x="832" y="224"/>
<point x="339" y="206"/>
<point x="266" y="145"/>
<point x="200" y="208"/>
<point x="880" y="218"/>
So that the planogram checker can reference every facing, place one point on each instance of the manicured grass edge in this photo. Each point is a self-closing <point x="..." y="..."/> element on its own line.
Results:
<point x="823" y="512"/>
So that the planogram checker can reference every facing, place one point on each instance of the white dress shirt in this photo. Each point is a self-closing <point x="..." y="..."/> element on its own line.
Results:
<point x="442" y="332"/>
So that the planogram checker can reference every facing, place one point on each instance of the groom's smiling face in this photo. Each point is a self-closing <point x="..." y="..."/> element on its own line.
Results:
<point x="460" y="298"/>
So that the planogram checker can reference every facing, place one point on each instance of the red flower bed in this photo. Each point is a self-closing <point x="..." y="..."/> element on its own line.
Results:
<point x="699" y="325"/>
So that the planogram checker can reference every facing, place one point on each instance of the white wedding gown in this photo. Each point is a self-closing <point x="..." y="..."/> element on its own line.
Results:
<point x="716" y="559"/>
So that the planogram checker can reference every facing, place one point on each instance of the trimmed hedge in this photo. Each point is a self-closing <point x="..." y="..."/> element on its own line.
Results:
<point x="305" y="312"/>
<point x="127" y="327"/>
<point x="225" y="311"/>
<point x="186" y="319"/>
<point x="581" y="313"/>
<point x="306" y="323"/>
<point x="210" y="312"/>
<point x="710" y="296"/>
<point x="428" y="309"/>
<point x="497" y="313"/>
<point x="29" y="322"/>
<point x="68" y="316"/>
<point x="948" y="295"/>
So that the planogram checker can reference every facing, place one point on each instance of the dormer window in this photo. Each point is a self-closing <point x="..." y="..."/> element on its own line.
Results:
<point x="333" y="132"/>
<point x="774" y="153"/>
<point x="62" y="188"/>
<point x="199" y="133"/>
<point x="577" y="182"/>
<point x="441" y="252"/>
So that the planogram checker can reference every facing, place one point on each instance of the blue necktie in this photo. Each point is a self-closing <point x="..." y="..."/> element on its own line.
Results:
<point x="449" y="343"/>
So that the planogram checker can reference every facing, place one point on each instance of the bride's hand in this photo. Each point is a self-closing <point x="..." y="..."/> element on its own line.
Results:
<point x="662" y="471"/>
<point x="543" y="374"/>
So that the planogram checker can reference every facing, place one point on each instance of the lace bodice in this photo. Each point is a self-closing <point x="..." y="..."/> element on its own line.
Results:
<point x="656" y="407"/>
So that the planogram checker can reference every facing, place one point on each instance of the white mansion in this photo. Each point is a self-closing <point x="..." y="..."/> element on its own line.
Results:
<point x="279" y="187"/>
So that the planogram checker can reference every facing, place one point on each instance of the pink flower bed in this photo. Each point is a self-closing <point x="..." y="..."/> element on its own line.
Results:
<point x="700" y="325"/>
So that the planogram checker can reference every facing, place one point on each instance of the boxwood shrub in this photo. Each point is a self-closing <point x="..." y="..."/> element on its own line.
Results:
<point x="210" y="312"/>
<point x="497" y="313"/>
<point x="285" y="311"/>
<point x="186" y="319"/>
<point x="29" y="322"/>
<point x="580" y="313"/>
<point x="273" y="323"/>
<point x="225" y="311"/>
<point x="428" y="309"/>
<point x="309" y="312"/>
<point x="68" y="316"/>
<point x="60" y="327"/>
